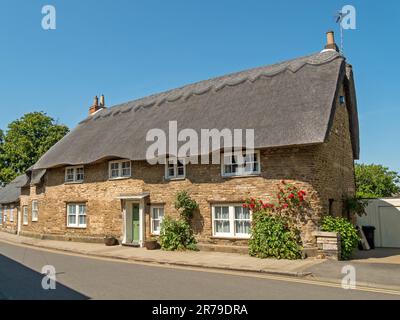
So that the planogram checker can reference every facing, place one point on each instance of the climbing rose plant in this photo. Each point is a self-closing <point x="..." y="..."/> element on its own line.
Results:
<point x="273" y="233"/>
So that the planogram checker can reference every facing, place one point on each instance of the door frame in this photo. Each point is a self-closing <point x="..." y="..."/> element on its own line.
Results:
<point x="127" y="221"/>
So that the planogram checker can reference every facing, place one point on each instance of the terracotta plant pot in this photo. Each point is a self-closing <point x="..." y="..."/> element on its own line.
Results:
<point x="110" y="241"/>
<point x="151" y="244"/>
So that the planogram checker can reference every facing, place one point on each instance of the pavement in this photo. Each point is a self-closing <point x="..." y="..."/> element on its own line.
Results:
<point x="378" y="268"/>
<point x="200" y="259"/>
<point x="81" y="277"/>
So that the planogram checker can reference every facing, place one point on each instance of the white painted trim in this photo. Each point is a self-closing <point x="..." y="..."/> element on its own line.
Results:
<point x="156" y="233"/>
<point x="231" y="234"/>
<point x="35" y="219"/>
<point x="241" y="172"/>
<point x="120" y="176"/>
<point x="125" y="204"/>
<point x="175" y="176"/>
<point x="77" y="225"/>
<point x="75" y="169"/>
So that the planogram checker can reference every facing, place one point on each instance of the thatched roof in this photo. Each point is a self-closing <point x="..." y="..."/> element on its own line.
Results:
<point x="287" y="104"/>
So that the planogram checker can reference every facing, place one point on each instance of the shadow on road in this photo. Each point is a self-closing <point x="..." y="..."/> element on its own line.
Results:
<point x="18" y="282"/>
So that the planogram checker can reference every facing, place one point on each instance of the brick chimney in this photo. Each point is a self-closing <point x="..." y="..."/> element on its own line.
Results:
<point x="330" y="41"/>
<point x="96" y="107"/>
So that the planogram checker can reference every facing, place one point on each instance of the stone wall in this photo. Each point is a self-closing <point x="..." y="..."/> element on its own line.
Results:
<point x="324" y="171"/>
<point x="8" y="225"/>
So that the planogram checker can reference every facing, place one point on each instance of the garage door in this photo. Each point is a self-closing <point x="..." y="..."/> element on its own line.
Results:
<point x="390" y="226"/>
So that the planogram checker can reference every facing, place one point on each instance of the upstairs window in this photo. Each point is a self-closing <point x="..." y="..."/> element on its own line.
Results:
<point x="119" y="169"/>
<point x="74" y="174"/>
<point x="175" y="168"/>
<point x="35" y="210"/>
<point x="241" y="163"/>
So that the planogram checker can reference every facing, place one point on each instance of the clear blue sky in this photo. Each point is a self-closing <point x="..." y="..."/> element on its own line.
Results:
<point x="128" y="49"/>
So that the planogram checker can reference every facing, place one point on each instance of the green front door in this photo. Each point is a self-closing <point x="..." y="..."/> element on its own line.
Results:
<point x="135" y="223"/>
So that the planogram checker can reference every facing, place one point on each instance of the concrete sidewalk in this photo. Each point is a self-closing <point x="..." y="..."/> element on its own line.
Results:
<point x="200" y="259"/>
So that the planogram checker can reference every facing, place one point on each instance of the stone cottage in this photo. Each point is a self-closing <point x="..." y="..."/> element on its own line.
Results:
<point x="10" y="204"/>
<point x="97" y="180"/>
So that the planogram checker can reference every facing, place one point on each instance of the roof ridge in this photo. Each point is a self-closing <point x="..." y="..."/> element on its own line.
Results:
<point x="217" y="83"/>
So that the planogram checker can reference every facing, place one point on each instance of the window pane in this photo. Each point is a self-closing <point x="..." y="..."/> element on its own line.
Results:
<point x="225" y="212"/>
<point x="82" y="220"/>
<point x="71" y="209"/>
<point x="82" y="209"/>
<point x="217" y="212"/>
<point x="242" y="227"/>
<point x="181" y="171"/>
<point x="156" y="225"/>
<point x="71" y="219"/>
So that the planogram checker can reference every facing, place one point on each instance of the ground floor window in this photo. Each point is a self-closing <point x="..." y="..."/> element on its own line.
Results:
<point x="25" y="215"/>
<point x="76" y="215"/>
<point x="231" y="221"/>
<point x="11" y="214"/>
<point x="157" y="215"/>
<point x="1" y="215"/>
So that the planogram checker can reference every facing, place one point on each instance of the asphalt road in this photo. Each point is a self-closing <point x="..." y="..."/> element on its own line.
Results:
<point x="88" y="278"/>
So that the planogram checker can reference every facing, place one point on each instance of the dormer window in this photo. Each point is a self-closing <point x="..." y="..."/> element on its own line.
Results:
<point x="120" y="169"/>
<point x="74" y="174"/>
<point x="175" y="168"/>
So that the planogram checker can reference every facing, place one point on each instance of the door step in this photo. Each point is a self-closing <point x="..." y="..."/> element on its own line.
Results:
<point x="134" y="245"/>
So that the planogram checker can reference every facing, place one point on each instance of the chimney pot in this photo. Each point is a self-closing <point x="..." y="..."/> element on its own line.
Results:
<point x="95" y="107"/>
<point x="330" y="41"/>
<point x="102" y="101"/>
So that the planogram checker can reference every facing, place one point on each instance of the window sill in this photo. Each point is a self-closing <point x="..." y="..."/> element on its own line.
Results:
<point x="243" y="176"/>
<point x="69" y="227"/>
<point x="175" y="179"/>
<point x="73" y="182"/>
<point x="119" y="178"/>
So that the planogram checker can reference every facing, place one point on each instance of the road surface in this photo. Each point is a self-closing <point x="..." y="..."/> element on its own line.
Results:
<point x="80" y="277"/>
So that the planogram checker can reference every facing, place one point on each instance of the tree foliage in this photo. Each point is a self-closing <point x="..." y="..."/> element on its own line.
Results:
<point x="25" y="141"/>
<point x="376" y="181"/>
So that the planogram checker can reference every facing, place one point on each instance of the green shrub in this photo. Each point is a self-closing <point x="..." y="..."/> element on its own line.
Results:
<point x="272" y="237"/>
<point x="185" y="205"/>
<point x="176" y="235"/>
<point x="348" y="234"/>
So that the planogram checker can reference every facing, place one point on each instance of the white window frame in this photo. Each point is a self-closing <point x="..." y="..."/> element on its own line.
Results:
<point x="74" y="174"/>
<point x="25" y="215"/>
<point x="1" y="214"/>
<point x="155" y="232"/>
<point x="172" y="163"/>
<point x="241" y="167"/>
<point x="77" y="214"/>
<point x="120" y="169"/>
<point x="11" y="213"/>
<point x="232" y="225"/>
<point x="5" y="214"/>
<point x="35" y="210"/>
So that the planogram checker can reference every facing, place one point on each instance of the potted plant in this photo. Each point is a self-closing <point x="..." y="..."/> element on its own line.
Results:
<point x="151" y="243"/>
<point x="110" y="240"/>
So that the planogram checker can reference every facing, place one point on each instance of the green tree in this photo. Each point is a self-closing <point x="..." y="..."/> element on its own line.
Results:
<point x="376" y="181"/>
<point x="25" y="141"/>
